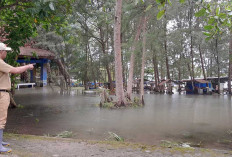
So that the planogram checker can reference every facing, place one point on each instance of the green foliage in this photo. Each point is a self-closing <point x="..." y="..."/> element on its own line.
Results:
<point x="218" y="17"/>
<point x="202" y="12"/>
<point x="160" y="14"/>
<point x="148" y="8"/>
<point x="161" y="5"/>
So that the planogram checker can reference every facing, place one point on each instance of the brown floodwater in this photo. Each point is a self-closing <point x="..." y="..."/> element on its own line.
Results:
<point x="205" y="119"/>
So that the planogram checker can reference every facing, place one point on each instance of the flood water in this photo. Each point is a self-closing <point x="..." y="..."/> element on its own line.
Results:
<point x="183" y="118"/>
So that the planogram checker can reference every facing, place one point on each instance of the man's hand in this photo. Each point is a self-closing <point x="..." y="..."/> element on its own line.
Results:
<point x="30" y="66"/>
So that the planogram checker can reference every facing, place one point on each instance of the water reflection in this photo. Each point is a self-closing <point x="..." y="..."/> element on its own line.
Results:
<point x="171" y="117"/>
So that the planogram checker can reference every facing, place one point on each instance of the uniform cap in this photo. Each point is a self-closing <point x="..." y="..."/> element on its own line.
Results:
<point x="3" y="47"/>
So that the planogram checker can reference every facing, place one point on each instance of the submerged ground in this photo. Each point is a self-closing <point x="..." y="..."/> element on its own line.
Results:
<point x="202" y="120"/>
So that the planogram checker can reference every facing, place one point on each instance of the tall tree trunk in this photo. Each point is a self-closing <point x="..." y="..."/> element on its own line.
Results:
<point x="92" y="69"/>
<point x="161" y="71"/>
<point x="64" y="72"/>
<point x="211" y="65"/>
<point x="105" y="52"/>
<point x="143" y="62"/>
<point x="157" y="72"/>
<point x="166" y="50"/>
<point x="202" y="63"/>
<point x="154" y="61"/>
<point x="121" y="101"/>
<point x="218" y="64"/>
<point x="169" y="88"/>
<point x="179" y="72"/>
<point x="49" y="73"/>
<point x="132" y="59"/>
<point x="191" y="41"/>
<point x="192" y="57"/>
<point x="86" y="79"/>
<point x="230" y="65"/>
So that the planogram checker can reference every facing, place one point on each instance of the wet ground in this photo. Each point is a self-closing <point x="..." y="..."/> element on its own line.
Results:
<point x="36" y="146"/>
<point x="200" y="119"/>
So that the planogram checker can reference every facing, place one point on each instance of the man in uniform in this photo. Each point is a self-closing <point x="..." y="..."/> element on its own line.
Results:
<point x="5" y="87"/>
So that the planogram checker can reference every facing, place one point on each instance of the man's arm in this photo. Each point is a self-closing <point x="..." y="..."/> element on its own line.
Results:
<point x="21" y="69"/>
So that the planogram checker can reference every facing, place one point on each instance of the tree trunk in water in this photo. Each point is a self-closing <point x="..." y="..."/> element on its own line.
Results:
<point x="93" y="72"/>
<point x="109" y="77"/>
<point x="64" y="72"/>
<point x="202" y="63"/>
<point x="121" y="101"/>
<point x="132" y="59"/>
<point x="230" y="65"/>
<point x="143" y="62"/>
<point x="218" y="63"/>
<point x="166" y="60"/>
<point x="157" y="72"/>
<point x="165" y="49"/>
<point x="49" y="73"/>
<point x="86" y="79"/>
<point x="12" y="102"/>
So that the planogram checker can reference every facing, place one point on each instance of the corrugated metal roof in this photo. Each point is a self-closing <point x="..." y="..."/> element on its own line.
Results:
<point x="202" y="81"/>
<point x="197" y="80"/>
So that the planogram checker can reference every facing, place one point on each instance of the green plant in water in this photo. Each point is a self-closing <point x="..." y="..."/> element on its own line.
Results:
<point x="37" y="120"/>
<point x="108" y="105"/>
<point x="65" y="134"/>
<point x="20" y="106"/>
<point x="116" y="137"/>
<point x="136" y="102"/>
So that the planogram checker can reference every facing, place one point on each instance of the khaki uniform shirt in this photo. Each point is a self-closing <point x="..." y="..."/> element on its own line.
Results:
<point x="5" y="82"/>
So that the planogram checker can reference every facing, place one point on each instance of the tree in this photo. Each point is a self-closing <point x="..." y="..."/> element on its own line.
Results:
<point x="143" y="61"/>
<point x="118" y="59"/>
<point x="132" y="59"/>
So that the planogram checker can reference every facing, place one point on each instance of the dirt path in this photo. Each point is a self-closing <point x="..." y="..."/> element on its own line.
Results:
<point x="36" y="146"/>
